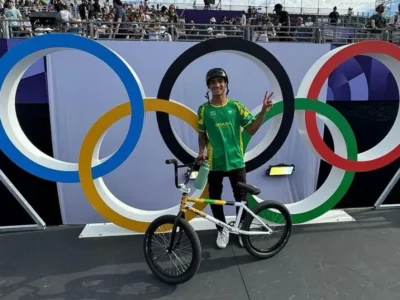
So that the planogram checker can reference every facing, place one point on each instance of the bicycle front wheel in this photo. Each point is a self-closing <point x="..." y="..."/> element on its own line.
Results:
<point x="277" y="218"/>
<point x="182" y="263"/>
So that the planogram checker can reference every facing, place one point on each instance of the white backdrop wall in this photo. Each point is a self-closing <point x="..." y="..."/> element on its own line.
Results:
<point x="82" y="88"/>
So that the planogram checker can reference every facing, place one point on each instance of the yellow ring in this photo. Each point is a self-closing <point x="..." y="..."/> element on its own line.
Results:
<point x="89" y="145"/>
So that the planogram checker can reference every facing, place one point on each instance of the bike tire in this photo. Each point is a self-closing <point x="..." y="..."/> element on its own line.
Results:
<point x="266" y="205"/>
<point x="194" y="242"/>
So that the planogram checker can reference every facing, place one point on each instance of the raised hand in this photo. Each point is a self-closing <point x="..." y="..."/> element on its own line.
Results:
<point x="267" y="103"/>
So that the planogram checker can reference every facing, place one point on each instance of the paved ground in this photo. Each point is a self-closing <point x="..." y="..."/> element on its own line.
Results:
<point x="358" y="260"/>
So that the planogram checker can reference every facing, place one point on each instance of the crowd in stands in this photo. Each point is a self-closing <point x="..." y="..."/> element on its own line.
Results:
<point x="157" y="22"/>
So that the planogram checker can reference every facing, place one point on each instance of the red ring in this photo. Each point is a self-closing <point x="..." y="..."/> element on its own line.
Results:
<point x="313" y="93"/>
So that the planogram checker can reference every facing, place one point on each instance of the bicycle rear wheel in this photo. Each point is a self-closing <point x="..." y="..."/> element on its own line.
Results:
<point x="183" y="262"/>
<point x="266" y="211"/>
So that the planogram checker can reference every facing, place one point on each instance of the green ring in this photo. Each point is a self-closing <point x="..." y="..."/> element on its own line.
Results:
<point x="351" y="146"/>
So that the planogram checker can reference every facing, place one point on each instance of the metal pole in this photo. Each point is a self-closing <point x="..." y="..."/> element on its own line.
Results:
<point x="386" y="192"/>
<point x="40" y="224"/>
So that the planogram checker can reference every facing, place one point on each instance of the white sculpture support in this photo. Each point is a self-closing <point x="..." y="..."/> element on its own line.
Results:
<point x="379" y="203"/>
<point x="40" y="224"/>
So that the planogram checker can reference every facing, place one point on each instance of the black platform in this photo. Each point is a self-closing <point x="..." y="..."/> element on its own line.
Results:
<point x="357" y="260"/>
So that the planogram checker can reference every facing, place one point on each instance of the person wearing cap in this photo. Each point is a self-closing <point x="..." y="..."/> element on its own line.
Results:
<point x="220" y="122"/>
<point x="283" y="27"/>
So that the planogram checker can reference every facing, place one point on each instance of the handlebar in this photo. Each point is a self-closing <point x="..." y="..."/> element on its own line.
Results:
<point x="176" y="167"/>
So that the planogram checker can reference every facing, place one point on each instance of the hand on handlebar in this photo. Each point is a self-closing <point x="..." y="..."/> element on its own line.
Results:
<point x="201" y="158"/>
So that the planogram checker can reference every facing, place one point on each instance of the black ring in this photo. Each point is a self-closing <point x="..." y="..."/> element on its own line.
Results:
<point x="235" y="44"/>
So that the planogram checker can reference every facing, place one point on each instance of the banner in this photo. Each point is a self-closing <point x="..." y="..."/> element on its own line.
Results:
<point x="82" y="88"/>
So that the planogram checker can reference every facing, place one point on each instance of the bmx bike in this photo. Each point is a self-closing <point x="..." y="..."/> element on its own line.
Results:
<point x="173" y="238"/>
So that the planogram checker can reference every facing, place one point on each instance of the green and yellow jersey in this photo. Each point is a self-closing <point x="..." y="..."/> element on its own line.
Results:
<point x="223" y="124"/>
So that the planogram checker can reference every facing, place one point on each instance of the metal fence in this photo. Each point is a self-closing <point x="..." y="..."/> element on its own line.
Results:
<point x="226" y="5"/>
<point x="103" y="30"/>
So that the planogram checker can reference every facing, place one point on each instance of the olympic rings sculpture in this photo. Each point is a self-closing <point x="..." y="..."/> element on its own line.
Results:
<point x="345" y="159"/>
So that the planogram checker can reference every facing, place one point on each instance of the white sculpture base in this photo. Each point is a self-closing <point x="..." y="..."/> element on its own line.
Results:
<point x="110" y="229"/>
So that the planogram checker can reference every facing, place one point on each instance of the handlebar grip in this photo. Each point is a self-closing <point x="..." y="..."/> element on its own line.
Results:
<point x="171" y="161"/>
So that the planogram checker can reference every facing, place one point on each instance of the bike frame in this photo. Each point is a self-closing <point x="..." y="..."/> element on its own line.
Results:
<point x="184" y="207"/>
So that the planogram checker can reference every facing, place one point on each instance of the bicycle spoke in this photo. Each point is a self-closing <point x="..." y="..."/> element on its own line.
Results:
<point x="277" y="230"/>
<point x="176" y="262"/>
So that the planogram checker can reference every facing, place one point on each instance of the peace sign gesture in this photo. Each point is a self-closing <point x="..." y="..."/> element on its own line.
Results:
<point x="267" y="103"/>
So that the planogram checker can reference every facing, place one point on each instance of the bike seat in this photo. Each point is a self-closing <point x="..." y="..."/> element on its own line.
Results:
<point x="251" y="189"/>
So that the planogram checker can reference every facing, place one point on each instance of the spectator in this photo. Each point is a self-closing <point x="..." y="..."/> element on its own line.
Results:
<point x="65" y="17"/>
<point x="152" y="32"/>
<point x="334" y="17"/>
<point x="76" y="27"/>
<point x="141" y="15"/>
<point x="96" y="9"/>
<point x="210" y="33"/>
<point x="164" y="35"/>
<point x="301" y="32"/>
<point x="309" y="22"/>
<point x="243" y="20"/>
<point x="394" y="25"/>
<point x="83" y="9"/>
<point x="378" y="22"/>
<point x="172" y="16"/>
<point x="394" y="21"/>
<point x="119" y="18"/>
<point x="283" y="23"/>
<point x="14" y="18"/>
<point x="221" y="33"/>
<point x="58" y="5"/>
<point x="192" y="31"/>
<point x="270" y="28"/>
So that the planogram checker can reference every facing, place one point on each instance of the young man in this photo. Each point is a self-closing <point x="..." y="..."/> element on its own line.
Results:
<point x="220" y="122"/>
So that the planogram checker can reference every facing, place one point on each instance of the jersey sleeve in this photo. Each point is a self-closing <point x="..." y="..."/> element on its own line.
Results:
<point x="200" y="119"/>
<point x="246" y="118"/>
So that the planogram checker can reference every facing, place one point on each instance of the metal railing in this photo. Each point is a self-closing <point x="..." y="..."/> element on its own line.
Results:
<point x="227" y="5"/>
<point x="103" y="30"/>
<point x="29" y="9"/>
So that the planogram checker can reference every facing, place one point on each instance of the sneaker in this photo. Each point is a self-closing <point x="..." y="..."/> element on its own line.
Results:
<point x="223" y="238"/>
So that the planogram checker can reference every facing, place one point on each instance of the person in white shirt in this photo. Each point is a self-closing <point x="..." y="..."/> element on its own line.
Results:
<point x="309" y="23"/>
<point x="65" y="17"/>
<point x="152" y="32"/>
<point x="243" y="20"/>
<point x="221" y="34"/>
<point x="14" y="18"/>
<point x="261" y="37"/>
<point x="394" y="25"/>
<point x="163" y="35"/>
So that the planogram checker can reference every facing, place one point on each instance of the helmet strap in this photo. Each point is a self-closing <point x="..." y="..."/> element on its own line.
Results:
<point x="208" y="93"/>
<point x="208" y="96"/>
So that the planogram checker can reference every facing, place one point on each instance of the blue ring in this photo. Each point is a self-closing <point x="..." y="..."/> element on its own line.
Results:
<point x="32" y="45"/>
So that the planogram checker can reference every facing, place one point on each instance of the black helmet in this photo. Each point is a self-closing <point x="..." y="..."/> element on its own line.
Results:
<point x="216" y="73"/>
